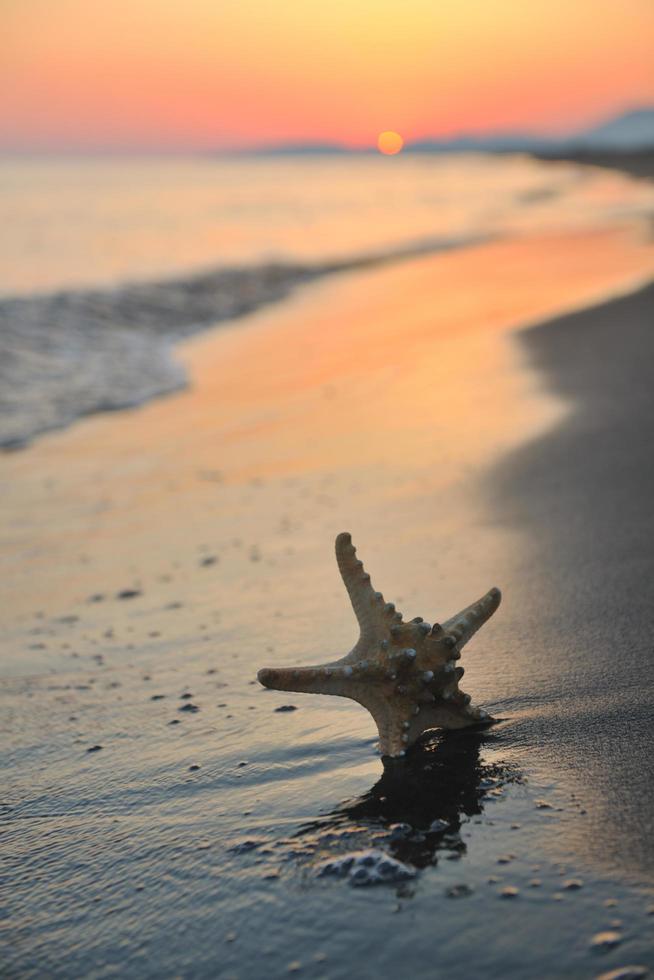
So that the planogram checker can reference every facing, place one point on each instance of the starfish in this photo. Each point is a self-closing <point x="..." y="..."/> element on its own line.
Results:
<point x="405" y="674"/>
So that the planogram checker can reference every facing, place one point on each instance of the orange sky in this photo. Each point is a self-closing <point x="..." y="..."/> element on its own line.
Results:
<point x="200" y="73"/>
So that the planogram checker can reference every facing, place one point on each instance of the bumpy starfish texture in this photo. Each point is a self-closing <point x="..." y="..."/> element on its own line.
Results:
<point x="405" y="674"/>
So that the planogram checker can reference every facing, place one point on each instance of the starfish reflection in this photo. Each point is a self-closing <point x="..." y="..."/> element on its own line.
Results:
<point x="416" y="810"/>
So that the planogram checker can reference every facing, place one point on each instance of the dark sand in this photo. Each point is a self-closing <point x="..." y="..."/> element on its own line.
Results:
<point x="583" y="495"/>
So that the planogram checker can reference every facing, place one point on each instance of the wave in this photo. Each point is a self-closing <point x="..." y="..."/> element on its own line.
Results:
<point x="71" y="353"/>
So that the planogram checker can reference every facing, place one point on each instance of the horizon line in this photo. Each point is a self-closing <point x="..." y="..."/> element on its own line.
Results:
<point x="325" y="146"/>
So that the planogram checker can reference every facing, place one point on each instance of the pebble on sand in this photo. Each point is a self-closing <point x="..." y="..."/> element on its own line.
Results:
<point x="510" y="892"/>
<point x="437" y="826"/>
<point x="606" y="940"/>
<point x="459" y="891"/>
<point x="625" y="973"/>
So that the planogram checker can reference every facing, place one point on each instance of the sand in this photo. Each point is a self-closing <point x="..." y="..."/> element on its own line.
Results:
<point x="582" y="497"/>
<point x="407" y="407"/>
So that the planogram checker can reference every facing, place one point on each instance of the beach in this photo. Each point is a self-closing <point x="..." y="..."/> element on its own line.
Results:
<point x="164" y="815"/>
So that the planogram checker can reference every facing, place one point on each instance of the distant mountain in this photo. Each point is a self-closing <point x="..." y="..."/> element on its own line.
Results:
<point x="299" y="149"/>
<point x="495" y="143"/>
<point x="630" y="131"/>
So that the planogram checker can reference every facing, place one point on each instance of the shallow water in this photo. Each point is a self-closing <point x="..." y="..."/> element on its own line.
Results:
<point x="158" y="871"/>
<point x="378" y="402"/>
<point x="84" y="222"/>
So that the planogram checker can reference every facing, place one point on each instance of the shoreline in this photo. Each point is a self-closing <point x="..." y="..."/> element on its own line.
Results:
<point x="72" y="353"/>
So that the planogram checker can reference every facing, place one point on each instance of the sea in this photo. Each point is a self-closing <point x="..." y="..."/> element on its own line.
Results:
<point x="107" y="262"/>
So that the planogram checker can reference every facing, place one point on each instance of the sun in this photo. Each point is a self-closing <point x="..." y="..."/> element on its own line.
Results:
<point x="389" y="142"/>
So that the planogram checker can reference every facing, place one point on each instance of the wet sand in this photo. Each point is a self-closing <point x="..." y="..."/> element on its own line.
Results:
<point x="581" y="499"/>
<point x="161" y="816"/>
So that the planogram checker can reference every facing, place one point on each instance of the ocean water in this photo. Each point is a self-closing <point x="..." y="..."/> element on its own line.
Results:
<point x="90" y="222"/>
<point x="109" y="261"/>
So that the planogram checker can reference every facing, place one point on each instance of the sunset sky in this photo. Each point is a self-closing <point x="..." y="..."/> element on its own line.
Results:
<point x="186" y="74"/>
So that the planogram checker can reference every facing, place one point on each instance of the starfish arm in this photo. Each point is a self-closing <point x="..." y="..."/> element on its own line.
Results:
<point x="373" y="614"/>
<point x="323" y="679"/>
<point x="465" y="624"/>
